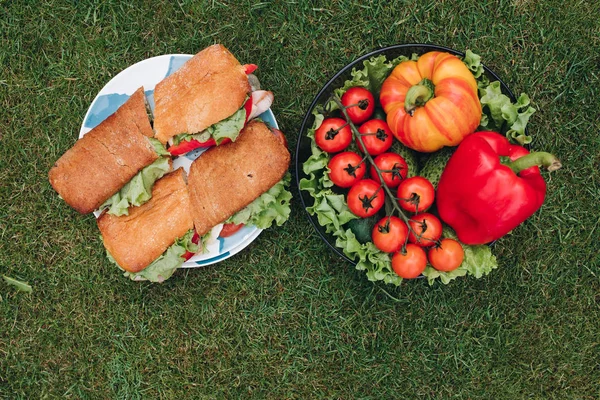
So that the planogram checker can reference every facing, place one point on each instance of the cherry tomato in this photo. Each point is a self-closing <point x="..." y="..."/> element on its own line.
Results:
<point x="346" y="169"/>
<point x="410" y="264"/>
<point x="394" y="166"/>
<point x="333" y="135"/>
<point x="365" y="198"/>
<point x="360" y="104"/>
<point x="427" y="227"/>
<point x="389" y="234"/>
<point x="416" y="194"/>
<point x="230" y="229"/>
<point x="447" y="256"/>
<point x="376" y="135"/>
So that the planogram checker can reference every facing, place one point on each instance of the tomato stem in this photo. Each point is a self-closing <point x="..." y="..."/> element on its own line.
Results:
<point x="357" y="136"/>
<point x="362" y="104"/>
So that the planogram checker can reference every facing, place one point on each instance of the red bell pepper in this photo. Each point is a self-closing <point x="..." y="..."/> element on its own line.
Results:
<point x="490" y="186"/>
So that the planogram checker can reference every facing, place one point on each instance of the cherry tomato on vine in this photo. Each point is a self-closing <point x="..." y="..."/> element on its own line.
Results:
<point x="416" y="194"/>
<point x="365" y="198"/>
<point x="395" y="167"/>
<point x="360" y="104"/>
<point x="390" y="234"/>
<point x="410" y="264"/>
<point x="333" y="135"/>
<point x="447" y="256"/>
<point x="346" y="169"/>
<point x="426" y="229"/>
<point x="376" y="135"/>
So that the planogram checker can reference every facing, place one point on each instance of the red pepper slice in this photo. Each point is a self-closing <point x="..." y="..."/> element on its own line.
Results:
<point x="188" y="145"/>
<point x="250" y="68"/>
<point x="248" y="108"/>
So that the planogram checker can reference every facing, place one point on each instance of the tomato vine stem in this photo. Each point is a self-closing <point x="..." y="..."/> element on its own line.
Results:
<point x="358" y="136"/>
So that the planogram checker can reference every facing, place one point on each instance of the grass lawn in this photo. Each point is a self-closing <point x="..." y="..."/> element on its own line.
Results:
<point x="287" y="318"/>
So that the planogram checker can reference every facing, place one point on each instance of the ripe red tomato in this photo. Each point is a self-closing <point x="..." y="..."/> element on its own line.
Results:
<point x="230" y="229"/>
<point x="377" y="137"/>
<point x="333" y="135"/>
<point x="416" y="194"/>
<point x="359" y="103"/>
<point x="365" y="198"/>
<point x="426" y="229"/>
<point x="393" y="168"/>
<point x="346" y="169"/>
<point x="410" y="264"/>
<point x="389" y="234"/>
<point x="447" y="256"/>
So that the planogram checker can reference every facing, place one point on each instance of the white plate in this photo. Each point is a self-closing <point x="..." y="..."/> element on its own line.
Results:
<point x="148" y="73"/>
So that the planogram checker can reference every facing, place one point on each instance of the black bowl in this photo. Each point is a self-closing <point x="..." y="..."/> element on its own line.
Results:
<point x="303" y="150"/>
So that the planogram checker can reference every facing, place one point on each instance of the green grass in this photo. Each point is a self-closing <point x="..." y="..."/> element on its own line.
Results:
<point x="286" y="318"/>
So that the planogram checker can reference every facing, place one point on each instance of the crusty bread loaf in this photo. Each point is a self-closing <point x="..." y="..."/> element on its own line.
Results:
<point x="208" y="88"/>
<point x="227" y="178"/>
<point x="106" y="158"/>
<point x="137" y="239"/>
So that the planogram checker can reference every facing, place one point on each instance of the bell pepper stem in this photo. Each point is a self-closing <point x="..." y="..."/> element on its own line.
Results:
<point x="418" y="95"/>
<point x="538" y="158"/>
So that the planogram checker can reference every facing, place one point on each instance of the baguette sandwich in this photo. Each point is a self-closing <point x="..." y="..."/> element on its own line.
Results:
<point x="207" y="101"/>
<point x="114" y="165"/>
<point x="154" y="239"/>
<point x="242" y="182"/>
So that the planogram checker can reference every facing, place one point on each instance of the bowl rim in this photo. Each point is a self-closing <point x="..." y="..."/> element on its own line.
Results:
<point x="346" y="70"/>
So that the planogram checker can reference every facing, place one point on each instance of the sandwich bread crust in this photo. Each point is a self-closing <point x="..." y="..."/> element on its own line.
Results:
<point x="137" y="239"/>
<point x="226" y="178"/>
<point x="106" y="158"/>
<point x="208" y="88"/>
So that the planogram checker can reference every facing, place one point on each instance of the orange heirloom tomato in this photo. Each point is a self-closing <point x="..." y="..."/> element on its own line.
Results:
<point x="432" y="102"/>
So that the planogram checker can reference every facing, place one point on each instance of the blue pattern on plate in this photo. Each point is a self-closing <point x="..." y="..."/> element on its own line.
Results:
<point x="106" y="104"/>
<point x="103" y="107"/>
<point x="175" y="63"/>
<point x="213" y="259"/>
<point x="150" y="97"/>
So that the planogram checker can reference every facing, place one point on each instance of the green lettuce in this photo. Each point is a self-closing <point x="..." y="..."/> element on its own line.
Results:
<point x="228" y="128"/>
<point x="504" y="116"/>
<point x="375" y="70"/>
<point x="164" y="266"/>
<point x="377" y="264"/>
<point x="273" y="206"/>
<point x="159" y="148"/>
<point x="499" y="113"/>
<point x="138" y="190"/>
<point x="473" y="62"/>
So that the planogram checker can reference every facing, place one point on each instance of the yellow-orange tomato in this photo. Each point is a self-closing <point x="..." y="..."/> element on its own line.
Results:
<point x="432" y="102"/>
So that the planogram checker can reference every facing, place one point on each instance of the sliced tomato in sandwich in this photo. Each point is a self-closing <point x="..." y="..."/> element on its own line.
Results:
<point x="230" y="229"/>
